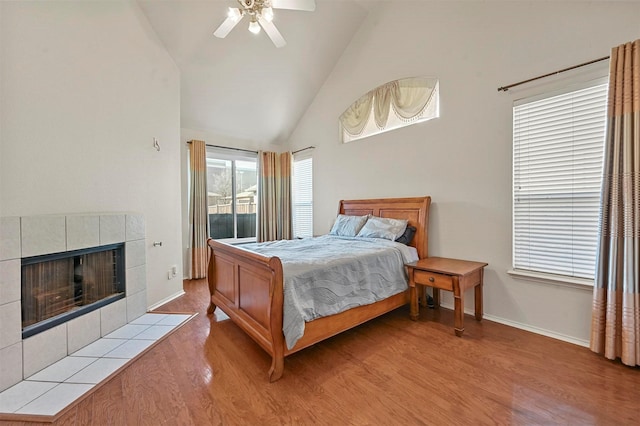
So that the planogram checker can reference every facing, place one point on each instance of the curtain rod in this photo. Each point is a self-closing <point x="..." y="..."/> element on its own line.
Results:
<point x="304" y="149"/>
<point x="253" y="152"/>
<point x="226" y="147"/>
<point x="505" y="88"/>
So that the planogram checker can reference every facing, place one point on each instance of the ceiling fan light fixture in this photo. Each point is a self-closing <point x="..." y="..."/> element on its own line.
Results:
<point x="254" y="27"/>
<point x="260" y="13"/>
<point x="267" y="14"/>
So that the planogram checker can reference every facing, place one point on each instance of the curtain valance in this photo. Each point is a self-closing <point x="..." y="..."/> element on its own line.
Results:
<point x="408" y="98"/>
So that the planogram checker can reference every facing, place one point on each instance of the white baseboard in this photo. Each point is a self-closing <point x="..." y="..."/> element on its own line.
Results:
<point x="166" y="300"/>
<point x="527" y="327"/>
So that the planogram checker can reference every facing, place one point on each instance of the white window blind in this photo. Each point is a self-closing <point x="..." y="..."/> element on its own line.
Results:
<point x="557" y="172"/>
<point x="302" y="195"/>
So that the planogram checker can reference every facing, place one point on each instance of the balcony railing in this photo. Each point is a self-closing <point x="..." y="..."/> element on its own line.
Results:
<point x="241" y="208"/>
<point x="221" y="225"/>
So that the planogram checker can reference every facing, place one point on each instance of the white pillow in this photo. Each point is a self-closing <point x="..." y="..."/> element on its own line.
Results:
<point x="347" y="226"/>
<point x="381" y="227"/>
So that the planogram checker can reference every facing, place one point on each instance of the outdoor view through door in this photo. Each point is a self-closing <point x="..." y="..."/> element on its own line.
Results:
<point x="232" y="186"/>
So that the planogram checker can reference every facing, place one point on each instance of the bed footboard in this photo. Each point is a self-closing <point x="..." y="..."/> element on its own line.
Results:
<point x="248" y="287"/>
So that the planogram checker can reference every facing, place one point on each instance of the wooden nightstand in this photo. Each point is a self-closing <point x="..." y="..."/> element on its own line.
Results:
<point x="451" y="275"/>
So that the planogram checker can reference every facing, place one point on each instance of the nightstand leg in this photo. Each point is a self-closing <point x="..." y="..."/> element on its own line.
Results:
<point x="478" y="299"/>
<point x="413" y="310"/>
<point x="458" y="300"/>
<point x="413" y="297"/>
<point x="436" y="297"/>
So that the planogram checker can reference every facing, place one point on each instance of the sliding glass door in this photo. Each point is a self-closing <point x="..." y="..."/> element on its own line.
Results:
<point x="232" y="194"/>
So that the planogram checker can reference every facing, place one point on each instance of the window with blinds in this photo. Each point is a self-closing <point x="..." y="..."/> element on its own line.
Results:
<point x="302" y="195"/>
<point x="558" y="145"/>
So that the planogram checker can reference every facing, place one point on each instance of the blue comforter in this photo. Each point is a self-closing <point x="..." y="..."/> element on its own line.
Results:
<point x="329" y="274"/>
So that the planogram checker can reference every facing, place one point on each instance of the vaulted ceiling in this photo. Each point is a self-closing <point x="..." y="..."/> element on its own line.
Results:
<point x="242" y="86"/>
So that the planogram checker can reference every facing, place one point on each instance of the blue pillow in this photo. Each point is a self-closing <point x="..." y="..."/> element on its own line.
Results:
<point x="348" y="226"/>
<point x="382" y="227"/>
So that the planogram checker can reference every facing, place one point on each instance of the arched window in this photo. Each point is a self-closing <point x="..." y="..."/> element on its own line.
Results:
<point x="393" y="105"/>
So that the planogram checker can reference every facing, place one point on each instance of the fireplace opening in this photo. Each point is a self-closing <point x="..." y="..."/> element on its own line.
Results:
<point x="61" y="286"/>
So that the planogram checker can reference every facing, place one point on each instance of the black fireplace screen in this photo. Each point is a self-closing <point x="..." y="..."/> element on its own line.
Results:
<point x="61" y="286"/>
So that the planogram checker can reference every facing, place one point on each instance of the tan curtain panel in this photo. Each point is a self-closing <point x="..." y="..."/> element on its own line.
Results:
<point x="267" y="206"/>
<point x="198" y="210"/>
<point x="285" y="209"/>
<point x="274" y="194"/>
<point x="615" y="324"/>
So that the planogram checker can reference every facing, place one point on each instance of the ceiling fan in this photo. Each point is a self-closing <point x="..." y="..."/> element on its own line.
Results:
<point x="260" y="13"/>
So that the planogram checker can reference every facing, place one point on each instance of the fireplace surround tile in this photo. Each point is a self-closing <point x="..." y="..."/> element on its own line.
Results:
<point x="11" y="320"/>
<point x="43" y="349"/>
<point x="136" y="279"/>
<point x="136" y="305"/>
<point x="82" y="331"/>
<point x="9" y="238"/>
<point x="47" y="234"/>
<point x="43" y="235"/>
<point x="10" y="365"/>
<point x="113" y="316"/>
<point x="10" y="281"/>
<point x="112" y="229"/>
<point x="83" y="231"/>
<point x="135" y="253"/>
<point x="135" y="227"/>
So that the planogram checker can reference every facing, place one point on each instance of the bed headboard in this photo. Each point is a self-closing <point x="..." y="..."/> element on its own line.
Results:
<point x="415" y="210"/>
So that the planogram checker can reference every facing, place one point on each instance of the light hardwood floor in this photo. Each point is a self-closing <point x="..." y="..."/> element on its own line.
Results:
<point x="390" y="371"/>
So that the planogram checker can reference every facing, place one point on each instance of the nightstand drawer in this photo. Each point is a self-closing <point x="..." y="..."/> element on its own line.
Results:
<point x="445" y="282"/>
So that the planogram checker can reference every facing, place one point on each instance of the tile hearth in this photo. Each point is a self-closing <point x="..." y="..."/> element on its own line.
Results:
<point x="27" y="236"/>
<point x="51" y="390"/>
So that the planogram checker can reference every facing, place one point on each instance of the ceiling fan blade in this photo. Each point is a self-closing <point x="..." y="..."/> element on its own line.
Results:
<point x="308" y="5"/>
<point x="272" y="32"/>
<point x="226" y="27"/>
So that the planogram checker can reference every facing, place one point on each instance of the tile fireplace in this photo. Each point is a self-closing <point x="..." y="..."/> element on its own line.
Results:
<point x="85" y="277"/>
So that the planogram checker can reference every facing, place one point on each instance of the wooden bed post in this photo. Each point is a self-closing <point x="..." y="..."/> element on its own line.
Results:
<point x="276" y="318"/>
<point x="210" y="272"/>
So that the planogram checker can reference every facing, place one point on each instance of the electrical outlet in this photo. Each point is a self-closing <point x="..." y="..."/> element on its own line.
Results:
<point x="174" y="271"/>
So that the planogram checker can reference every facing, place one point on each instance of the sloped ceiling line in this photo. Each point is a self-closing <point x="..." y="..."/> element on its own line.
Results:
<point x="242" y="86"/>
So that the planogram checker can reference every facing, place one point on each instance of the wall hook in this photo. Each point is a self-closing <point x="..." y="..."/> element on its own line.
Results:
<point x="156" y="144"/>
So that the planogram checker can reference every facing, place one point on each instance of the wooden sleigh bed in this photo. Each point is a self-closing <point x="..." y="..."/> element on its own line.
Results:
<point x="248" y="286"/>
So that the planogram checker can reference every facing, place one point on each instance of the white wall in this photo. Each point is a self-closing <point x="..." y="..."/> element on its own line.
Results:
<point x="86" y="86"/>
<point x="1" y="97"/>
<point x="463" y="159"/>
